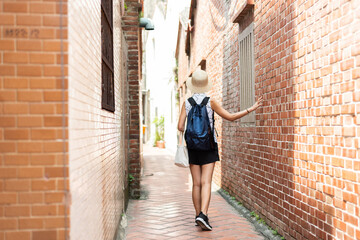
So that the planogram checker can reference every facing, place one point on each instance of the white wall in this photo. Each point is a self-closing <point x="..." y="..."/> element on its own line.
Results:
<point x="160" y="49"/>
<point x="96" y="136"/>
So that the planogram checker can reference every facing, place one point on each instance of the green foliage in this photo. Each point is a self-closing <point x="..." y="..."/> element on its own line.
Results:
<point x="141" y="14"/>
<point x="261" y="221"/>
<point x="176" y="69"/>
<point x="131" y="178"/>
<point x="125" y="6"/>
<point x="159" y="128"/>
<point x="257" y="217"/>
<point x="177" y="96"/>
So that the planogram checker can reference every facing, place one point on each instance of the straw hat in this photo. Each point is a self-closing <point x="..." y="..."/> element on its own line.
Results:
<point x="199" y="82"/>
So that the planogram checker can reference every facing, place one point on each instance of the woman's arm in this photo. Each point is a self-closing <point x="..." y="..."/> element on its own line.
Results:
<point x="181" y="124"/>
<point x="234" y="116"/>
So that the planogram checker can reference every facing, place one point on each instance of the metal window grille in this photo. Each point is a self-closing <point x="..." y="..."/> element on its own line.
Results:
<point x="107" y="69"/>
<point x="247" y="75"/>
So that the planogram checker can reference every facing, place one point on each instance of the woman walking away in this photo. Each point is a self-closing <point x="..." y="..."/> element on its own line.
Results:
<point x="201" y="140"/>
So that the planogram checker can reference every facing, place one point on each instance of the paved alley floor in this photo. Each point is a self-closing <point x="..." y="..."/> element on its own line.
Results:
<point x="167" y="211"/>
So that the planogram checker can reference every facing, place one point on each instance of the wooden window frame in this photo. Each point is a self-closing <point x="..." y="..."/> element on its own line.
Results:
<point x="107" y="57"/>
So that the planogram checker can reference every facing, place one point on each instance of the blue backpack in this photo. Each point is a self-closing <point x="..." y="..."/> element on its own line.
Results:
<point x="198" y="134"/>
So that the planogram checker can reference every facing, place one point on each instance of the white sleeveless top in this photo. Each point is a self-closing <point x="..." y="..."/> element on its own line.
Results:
<point x="198" y="97"/>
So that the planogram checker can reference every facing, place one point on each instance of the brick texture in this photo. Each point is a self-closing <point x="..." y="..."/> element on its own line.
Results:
<point x="29" y="208"/>
<point x="63" y="159"/>
<point x="97" y="137"/>
<point x="298" y="166"/>
<point x="133" y="38"/>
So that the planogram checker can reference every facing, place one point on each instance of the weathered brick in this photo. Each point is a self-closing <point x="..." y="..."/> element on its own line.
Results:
<point x="15" y="7"/>
<point x="38" y="185"/>
<point x="23" y="235"/>
<point x="28" y="20"/>
<point x="29" y="96"/>
<point x="31" y="198"/>
<point x="30" y="172"/>
<point x="15" y="58"/>
<point x="17" y="211"/>
<point x="7" y="70"/>
<point x="49" y="234"/>
<point x="16" y="83"/>
<point x="24" y="70"/>
<point x="29" y="121"/>
<point x="7" y="121"/>
<point x="45" y="58"/>
<point x="48" y="210"/>
<point x="7" y="44"/>
<point x="7" y="19"/>
<point x="31" y="223"/>
<point x="45" y="7"/>
<point x="16" y="160"/>
<point x="28" y="45"/>
<point x="16" y="134"/>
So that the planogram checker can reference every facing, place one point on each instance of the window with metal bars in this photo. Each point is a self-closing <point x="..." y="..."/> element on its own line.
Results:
<point x="247" y="75"/>
<point x="107" y="68"/>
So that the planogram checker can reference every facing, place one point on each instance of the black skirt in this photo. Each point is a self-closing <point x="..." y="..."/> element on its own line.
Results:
<point x="203" y="157"/>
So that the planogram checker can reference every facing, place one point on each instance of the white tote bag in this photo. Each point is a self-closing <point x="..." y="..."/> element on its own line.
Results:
<point x="181" y="157"/>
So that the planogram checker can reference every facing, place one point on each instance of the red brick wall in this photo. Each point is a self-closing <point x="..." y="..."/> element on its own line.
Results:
<point x="40" y="158"/>
<point x="33" y="120"/>
<point x="298" y="167"/>
<point x="133" y="38"/>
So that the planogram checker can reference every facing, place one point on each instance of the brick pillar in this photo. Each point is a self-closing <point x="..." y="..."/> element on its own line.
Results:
<point x="132" y="34"/>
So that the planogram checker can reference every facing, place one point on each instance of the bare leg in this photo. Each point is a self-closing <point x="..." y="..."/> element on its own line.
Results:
<point x="206" y="177"/>
<point x="196" y="188"/>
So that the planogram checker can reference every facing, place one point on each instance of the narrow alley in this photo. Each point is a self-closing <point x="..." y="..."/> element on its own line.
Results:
<point x="88" y="87"/>
<point x="166" y="210"/>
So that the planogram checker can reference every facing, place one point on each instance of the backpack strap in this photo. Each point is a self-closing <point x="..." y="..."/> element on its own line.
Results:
<point x="192" y="101"/>
<point x="205" y="101"/>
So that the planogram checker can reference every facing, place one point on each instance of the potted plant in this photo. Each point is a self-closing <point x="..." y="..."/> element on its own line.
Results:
<point x="159" y="132"/>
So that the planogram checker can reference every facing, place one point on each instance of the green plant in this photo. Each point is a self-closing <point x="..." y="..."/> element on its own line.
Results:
<point x="177" y="96"/>
<point x="131" y="178"/>
<point x="141" y="14"/>
<point x="257" y="217"/>
<point x="125" y="6"/>
<point x="176" y="68"/>
<point x="159" y="128"/>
